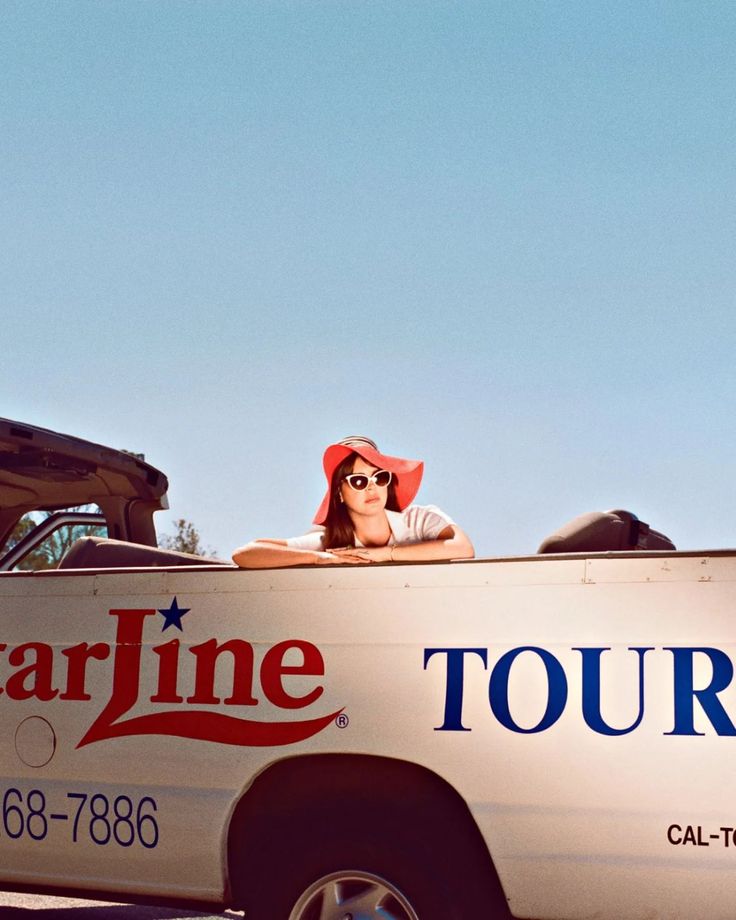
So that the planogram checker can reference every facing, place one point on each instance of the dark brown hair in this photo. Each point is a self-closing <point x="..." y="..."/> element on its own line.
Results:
<point x="338" y="526"/>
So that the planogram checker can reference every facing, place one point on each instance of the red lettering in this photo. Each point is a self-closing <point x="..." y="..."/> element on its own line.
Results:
<point x="168" y="673"/>
<point x="204" y="684"/>
<point x="198" y="724"/>
<point x="273" y="670"/>
<point x="39" y="671"/>
<point x="78" y="656"/>
<point x="126" y="673"/>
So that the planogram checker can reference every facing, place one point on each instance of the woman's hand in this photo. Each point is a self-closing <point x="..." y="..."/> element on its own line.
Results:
<point x="451" y="543"/>
<point x="363" y="553"/>
<point x="343" y="556"/>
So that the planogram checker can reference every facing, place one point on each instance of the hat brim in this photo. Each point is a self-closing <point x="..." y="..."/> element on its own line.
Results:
<point x="408" y="473"/>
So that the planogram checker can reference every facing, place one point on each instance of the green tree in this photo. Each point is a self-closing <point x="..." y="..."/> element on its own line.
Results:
<point x="25" y="525"/>
<point x="186" y="540"/>
<point x="50" y="552"/>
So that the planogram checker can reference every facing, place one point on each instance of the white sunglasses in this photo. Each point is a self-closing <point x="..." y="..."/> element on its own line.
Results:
<point x="359" y="482"/>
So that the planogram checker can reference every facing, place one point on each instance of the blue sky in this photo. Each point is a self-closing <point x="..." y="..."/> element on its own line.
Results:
<point x="496" y="236"/>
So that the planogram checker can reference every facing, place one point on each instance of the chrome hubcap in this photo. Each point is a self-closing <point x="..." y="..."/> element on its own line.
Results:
<point x="352" y="896"/>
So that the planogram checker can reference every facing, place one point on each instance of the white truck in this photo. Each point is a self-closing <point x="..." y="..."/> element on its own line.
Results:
<point x="541" y="737"/>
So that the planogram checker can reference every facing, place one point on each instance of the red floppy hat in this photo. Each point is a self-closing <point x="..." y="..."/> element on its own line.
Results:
<point x="408" y="473"/>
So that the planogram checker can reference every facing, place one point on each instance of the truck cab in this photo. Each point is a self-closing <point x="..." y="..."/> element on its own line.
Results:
<point x="544" y="736"/>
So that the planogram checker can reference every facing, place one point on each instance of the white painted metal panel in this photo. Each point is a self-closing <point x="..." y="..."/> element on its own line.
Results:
<point x="576" y="820"/>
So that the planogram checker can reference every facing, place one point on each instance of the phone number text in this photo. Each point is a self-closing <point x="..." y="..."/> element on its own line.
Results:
<point x="119" y="820"/>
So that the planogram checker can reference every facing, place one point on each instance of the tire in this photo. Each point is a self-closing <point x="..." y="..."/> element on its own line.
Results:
<point x="357" y="864"/>
<point x="352" y="894"/>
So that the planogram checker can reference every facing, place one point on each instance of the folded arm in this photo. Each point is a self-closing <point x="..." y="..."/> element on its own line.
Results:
<point x="272" y="554"/>
<point x="451" y="543"/>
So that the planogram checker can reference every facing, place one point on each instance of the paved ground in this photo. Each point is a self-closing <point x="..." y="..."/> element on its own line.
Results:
<point x="41" y="907"/>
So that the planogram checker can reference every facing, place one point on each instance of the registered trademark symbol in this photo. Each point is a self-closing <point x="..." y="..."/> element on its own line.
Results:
<point x="342" y="721"/>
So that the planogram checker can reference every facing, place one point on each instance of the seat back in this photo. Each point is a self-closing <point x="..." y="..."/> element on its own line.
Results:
<point x="605" y="531"/>
<point x="102" y="553"/>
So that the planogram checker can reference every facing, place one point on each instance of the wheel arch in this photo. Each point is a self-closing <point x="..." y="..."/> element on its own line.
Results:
<point x="319" y="784"/>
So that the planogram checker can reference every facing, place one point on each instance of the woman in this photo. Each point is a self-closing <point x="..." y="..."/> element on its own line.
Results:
<point x="365" y="516"/>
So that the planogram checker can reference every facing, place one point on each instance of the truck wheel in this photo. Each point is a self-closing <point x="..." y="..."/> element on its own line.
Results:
<point x="353" y="895"/>
<point x="357" y="865"/>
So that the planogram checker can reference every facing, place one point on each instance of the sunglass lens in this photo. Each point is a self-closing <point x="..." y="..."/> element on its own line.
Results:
<point x="382" y="478"/>
<point x="357" y="482"/>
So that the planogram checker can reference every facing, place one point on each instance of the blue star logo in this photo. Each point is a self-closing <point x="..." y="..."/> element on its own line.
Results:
<point x="172" y="616"/>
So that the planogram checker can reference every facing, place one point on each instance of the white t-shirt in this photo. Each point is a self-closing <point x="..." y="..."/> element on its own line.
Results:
<point x="414" y="524"/>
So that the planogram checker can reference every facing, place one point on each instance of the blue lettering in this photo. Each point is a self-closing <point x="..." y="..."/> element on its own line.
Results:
<point x="685" y="692"/>
<point x="707" y="697"/>
<point x="592" y="690"/>
<point x="498" y="690"/>
<point x="454" y="687"/>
